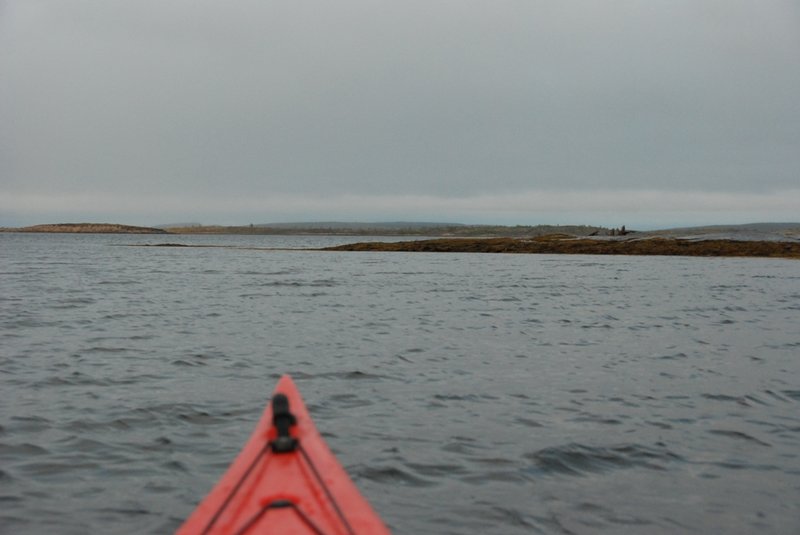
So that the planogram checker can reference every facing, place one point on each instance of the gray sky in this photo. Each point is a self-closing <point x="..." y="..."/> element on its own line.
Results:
<point x="646" y="113"/>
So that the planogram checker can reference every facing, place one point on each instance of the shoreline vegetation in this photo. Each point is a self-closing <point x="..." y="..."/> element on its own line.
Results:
<point x="770" y="240"/>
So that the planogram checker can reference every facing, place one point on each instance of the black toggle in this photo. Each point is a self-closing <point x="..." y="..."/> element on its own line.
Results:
<point x="282" y="419"/>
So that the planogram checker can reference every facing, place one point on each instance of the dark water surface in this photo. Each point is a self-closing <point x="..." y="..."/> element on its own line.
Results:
<point x="465" y="393"/>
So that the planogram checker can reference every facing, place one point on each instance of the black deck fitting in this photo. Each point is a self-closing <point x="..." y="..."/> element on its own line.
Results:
<point x="283" y="420"/>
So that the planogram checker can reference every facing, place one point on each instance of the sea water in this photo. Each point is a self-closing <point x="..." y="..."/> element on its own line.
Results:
<point x="464" y="393"/>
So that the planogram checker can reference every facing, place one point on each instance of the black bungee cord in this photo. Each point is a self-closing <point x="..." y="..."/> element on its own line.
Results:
<point x="328" y="493"/>
<point x="235" y="489"/>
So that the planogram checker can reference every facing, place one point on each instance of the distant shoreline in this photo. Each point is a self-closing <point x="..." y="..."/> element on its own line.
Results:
<point x="789" y="232"/>
<point x="325" y="229"/>
<point x="87" y="228"/>
<point x="757" y="240"/>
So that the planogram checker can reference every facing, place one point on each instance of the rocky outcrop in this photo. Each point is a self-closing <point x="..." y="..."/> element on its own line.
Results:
<point x="560" y="244"/>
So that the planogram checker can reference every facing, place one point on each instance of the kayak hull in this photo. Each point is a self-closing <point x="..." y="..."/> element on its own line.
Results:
<point x="297" y="492"/>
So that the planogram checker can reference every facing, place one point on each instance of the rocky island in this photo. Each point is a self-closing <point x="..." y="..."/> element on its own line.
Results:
<point x="565" y="244"/>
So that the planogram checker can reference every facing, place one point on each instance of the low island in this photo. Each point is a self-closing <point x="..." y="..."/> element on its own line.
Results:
<point x="88" y="228"/>
<point x="565" y="244"/>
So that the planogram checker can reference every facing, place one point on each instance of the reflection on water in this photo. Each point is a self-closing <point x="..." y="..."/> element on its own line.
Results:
<point x="464" y="393"/>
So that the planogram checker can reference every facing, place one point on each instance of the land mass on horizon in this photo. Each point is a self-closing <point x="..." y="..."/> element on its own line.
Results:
<point x="753" y="240"/>
<point x="333" y="228"/>
<point x="772" y="231"/>
<point x="87" y="228"/>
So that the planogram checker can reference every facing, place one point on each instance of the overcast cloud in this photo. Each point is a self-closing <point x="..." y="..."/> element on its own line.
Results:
<point x="645" y="113"/>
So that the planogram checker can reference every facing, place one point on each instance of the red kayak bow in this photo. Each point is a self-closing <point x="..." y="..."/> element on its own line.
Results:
<point x="286" y="481"/>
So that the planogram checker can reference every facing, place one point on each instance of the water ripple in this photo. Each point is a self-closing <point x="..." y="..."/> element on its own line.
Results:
<point x="579" y="459"/>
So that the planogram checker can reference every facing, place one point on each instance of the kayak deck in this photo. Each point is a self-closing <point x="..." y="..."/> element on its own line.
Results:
<point x="285" y="480"/>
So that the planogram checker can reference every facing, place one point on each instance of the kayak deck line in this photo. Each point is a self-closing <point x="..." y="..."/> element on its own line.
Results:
<point x="285" y="469"/>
